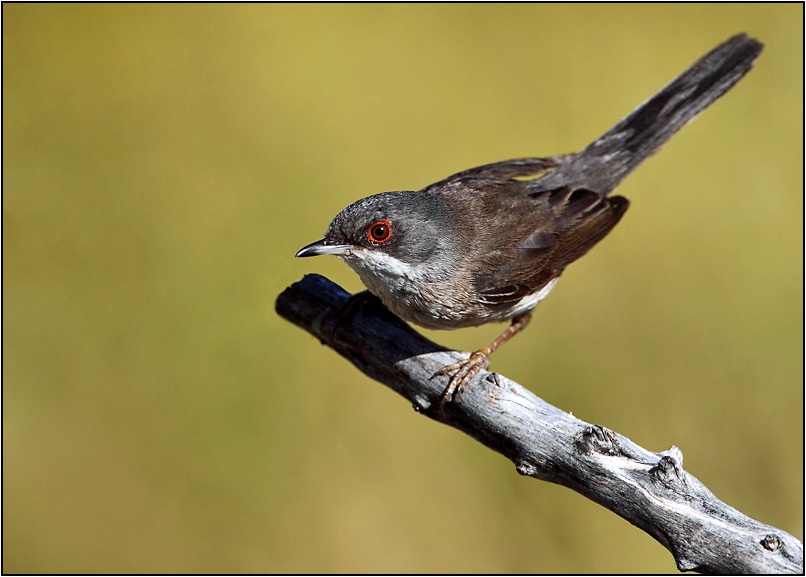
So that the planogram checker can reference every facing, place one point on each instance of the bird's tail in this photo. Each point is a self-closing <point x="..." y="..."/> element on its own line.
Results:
<point x="608" y="160"/>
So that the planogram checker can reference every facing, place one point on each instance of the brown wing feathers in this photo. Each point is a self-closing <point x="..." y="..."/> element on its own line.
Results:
<point x="567" y="224"/>
<point x="584" y="219"/>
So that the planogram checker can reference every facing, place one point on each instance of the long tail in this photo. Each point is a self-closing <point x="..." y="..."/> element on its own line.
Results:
<point x="608" y="160"/>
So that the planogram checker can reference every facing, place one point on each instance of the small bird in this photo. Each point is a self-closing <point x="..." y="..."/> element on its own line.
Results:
<point x="489" y="243"/>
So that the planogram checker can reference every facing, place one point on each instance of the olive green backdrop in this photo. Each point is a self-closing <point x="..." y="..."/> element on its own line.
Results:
<point x="162" y="164"/>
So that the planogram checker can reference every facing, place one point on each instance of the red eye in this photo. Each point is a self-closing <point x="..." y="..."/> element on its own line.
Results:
<point x="379" y="231"/>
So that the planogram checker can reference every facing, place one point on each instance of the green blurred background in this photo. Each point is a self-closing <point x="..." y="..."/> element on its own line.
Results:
<point x="162" y="164"/>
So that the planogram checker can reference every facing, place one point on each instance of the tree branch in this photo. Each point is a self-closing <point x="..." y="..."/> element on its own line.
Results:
<point x="650" y="490"/>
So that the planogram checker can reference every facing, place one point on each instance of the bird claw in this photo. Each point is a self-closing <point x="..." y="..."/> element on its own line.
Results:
<point x="465" y="370"/>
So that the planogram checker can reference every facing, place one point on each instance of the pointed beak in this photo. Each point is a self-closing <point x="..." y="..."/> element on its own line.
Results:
<point x="323" y="246"/>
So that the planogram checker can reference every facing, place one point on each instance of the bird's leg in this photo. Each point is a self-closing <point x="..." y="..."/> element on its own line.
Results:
<point x="478" y="360"/>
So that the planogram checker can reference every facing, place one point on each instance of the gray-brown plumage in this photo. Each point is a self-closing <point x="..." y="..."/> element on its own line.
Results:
<point x="487" y="244"/>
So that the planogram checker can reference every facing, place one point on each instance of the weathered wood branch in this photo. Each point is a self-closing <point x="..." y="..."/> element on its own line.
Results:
<point x="650" y="490"/>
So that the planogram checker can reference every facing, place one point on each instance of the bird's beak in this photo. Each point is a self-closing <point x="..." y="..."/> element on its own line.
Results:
<point x="323" y="246"/>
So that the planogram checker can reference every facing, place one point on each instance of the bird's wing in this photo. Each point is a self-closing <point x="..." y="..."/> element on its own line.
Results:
<point x="562" y="225"/>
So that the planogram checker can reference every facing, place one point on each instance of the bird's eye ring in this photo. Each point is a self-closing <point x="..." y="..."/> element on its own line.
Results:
<point x="380" y="231"/>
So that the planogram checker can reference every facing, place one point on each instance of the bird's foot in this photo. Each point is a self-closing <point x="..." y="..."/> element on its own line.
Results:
<point x="463" y="371"/>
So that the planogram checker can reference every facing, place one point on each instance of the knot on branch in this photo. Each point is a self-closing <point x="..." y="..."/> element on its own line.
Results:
<point x="669" y="473"/>
<point x="675" y="453"/>
<point x="598" y="439"/>
<point x="526" y="468"/>
<point x="771" y="542"/>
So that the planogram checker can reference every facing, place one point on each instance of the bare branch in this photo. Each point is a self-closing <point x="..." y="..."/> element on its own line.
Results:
<point x="650" y="490"/>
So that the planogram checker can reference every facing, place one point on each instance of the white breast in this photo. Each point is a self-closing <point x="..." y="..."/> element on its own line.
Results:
<point x="418" y="294"/>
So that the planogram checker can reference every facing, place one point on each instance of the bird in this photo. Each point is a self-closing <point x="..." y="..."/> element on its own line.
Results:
<point x="489" y="243"/>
